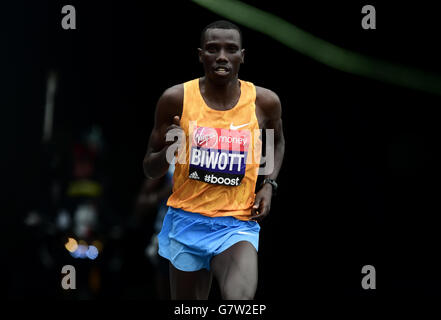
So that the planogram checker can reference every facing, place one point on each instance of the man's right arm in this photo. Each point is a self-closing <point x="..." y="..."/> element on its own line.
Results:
<point x="169" y="106"/>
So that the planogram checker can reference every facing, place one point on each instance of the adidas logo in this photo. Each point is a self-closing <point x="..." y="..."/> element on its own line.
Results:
<point x="194" y="175"/>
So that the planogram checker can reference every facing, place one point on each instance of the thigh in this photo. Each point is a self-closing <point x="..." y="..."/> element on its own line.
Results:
<point x="189" y="285"/>
<point x="236" y="271"/>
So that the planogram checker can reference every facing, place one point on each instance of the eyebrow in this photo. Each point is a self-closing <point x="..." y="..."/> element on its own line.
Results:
<point x="216" y="42"/>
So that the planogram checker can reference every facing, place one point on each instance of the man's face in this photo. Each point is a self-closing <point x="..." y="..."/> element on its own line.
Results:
<point x="221" y="54"/>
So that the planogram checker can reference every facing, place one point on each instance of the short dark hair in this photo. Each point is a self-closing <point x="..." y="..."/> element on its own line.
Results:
<point x="220" y="24"/>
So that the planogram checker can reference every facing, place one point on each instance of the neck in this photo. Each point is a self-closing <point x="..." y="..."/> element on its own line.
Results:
<point x="221" y="93"/>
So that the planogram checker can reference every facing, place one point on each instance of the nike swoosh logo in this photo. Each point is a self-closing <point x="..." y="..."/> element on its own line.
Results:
<point x="233" y="127"/>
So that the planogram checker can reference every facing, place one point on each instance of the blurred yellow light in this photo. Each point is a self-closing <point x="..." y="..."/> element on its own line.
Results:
<point x="71" y="244"/>
<point x="83" y="243"/>
<point x="98" y="244"/>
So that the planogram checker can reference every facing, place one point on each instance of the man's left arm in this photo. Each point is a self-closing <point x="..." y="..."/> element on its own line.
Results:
<point x="270" y="113"/>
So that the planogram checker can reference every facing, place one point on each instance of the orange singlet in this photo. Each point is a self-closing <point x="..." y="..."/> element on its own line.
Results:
<point x="218" y="170"/>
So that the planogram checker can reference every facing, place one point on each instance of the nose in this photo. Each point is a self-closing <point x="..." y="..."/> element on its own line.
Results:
<point x="221" y="57"/>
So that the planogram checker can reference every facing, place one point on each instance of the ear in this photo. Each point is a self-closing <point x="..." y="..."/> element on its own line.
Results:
<point x="242" y="52"/>
<point x="200" y="52"/>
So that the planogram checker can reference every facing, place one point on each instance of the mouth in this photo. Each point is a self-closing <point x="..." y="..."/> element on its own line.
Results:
<point x="221" y="70"/>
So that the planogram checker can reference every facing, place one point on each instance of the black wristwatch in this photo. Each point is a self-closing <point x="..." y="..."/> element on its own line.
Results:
<point x="272" y="182"/>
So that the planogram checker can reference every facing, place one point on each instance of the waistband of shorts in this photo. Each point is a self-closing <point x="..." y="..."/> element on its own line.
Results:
<point x="194" y="216"/>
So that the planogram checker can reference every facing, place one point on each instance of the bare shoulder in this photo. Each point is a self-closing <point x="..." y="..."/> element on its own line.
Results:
<point x="170" y="103"/>
<point x="173" y="95"/>
<point x="268" y="102"/>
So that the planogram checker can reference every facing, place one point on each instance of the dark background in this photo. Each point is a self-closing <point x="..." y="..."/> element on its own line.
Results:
<point x="359" y="183"/>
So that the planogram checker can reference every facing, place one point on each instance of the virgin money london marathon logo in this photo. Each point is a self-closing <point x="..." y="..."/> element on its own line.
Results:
<point x="218" y="156"/>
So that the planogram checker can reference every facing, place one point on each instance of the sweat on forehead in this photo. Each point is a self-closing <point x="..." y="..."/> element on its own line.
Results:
<point x="215" y="33"/>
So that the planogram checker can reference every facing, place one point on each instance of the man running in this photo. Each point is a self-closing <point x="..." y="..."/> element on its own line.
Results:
<point x="211" y="227"/>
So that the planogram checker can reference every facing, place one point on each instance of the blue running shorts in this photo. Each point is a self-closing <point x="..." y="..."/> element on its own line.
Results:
<point x="189" y="240"/>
